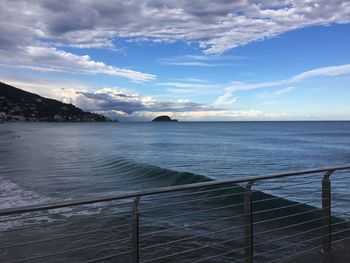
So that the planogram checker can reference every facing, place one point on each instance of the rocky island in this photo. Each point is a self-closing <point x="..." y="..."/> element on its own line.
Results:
<point x="18" y="105"/>
<point x="163" y="118"/>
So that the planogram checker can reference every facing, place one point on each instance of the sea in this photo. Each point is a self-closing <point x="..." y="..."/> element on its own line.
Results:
<point x="54" y="162"/>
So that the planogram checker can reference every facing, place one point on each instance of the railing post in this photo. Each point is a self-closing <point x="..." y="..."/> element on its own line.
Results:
<point x="248" y="223"/>
<point x="135" y="231"/>
<point x="326" y="208"/>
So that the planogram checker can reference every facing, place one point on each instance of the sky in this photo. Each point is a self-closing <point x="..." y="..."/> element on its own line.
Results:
<point x="199" y="60"/>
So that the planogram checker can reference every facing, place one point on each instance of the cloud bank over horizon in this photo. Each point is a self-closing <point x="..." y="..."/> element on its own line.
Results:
<point x="125" y="105"/>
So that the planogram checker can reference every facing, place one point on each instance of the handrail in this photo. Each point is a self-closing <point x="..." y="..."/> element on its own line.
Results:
<point x="132" y="194"/>
<point x="246" y="201"/>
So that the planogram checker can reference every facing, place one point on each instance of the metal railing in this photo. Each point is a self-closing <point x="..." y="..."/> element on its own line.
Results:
<point x="212" y="221"/>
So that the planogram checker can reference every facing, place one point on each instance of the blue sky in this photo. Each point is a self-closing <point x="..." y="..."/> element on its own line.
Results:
<point x="270" y="60"/>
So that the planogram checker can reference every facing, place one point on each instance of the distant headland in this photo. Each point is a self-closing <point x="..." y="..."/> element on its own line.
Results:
<point x="163" y="118"/>
<point x="17" y="105"/>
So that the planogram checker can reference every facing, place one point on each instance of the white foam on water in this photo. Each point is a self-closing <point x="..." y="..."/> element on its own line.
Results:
<point x="13" y="195"/>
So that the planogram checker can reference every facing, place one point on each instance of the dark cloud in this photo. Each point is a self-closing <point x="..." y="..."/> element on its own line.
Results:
<point x="115" y="101"/>
<point x="14" y="37"/>
<point x="217" y="25"/>
<point x="109" y="99"/>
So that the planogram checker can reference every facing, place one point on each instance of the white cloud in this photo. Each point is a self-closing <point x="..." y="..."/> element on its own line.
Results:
<point x="227" y="97"/>
<point x="269" y="95"/>
<point x="44" y="58"/>
<point x="193" y="63"/>
<point x="283" y="91"/>
<point x="195" y="80"/>
<point x="186" y="85"/>
<point x="32" y="33"/>
<point x="322" y="72"/>
<point x="229" y="94"/>
<point x="217" y="26"/>
<point x="209" y="60"/>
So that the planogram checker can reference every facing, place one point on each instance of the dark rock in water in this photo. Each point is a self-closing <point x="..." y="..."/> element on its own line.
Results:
<point x="163" y="118"/>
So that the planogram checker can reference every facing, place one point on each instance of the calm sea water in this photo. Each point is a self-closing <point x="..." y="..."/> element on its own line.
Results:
<point x="82" y="159"/>
<point x="44" y="162"/>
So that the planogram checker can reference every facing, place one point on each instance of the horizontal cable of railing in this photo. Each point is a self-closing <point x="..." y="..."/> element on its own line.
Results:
<point x="85" y="201"/>
<point x="270" y="216"/>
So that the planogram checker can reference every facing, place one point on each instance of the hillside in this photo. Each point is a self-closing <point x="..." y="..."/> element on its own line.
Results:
<point x="20" y="105"/>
